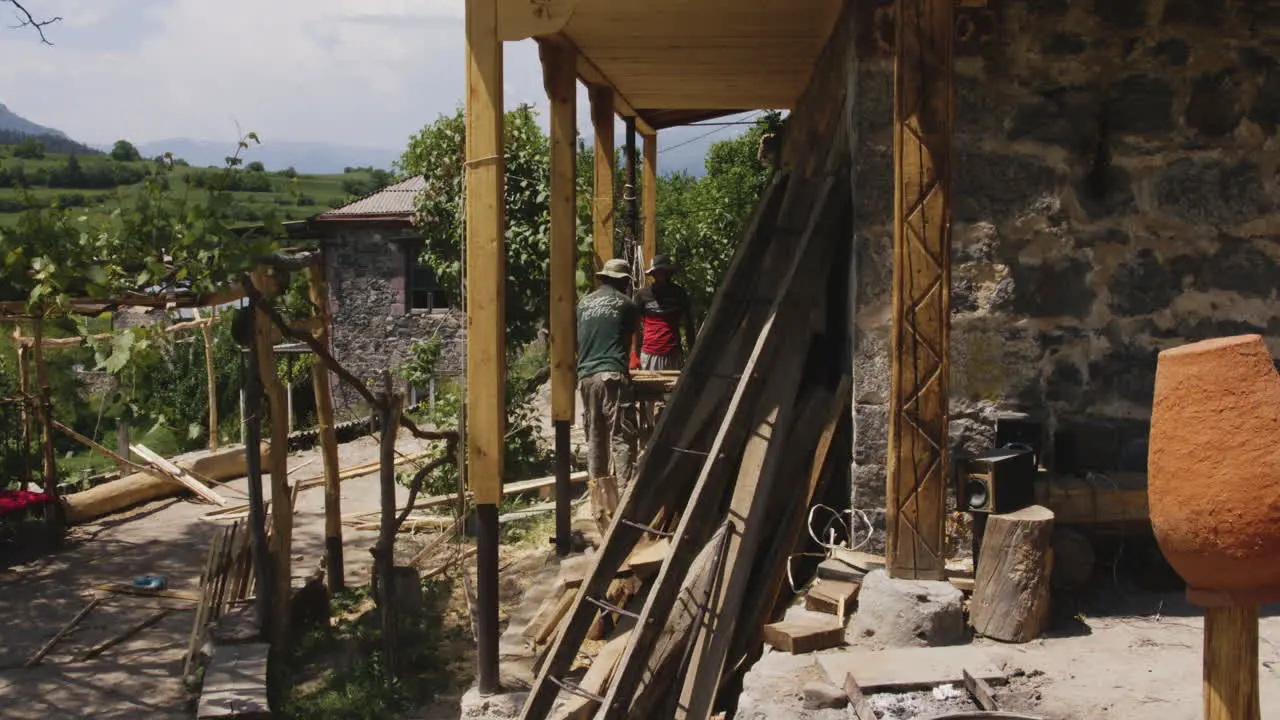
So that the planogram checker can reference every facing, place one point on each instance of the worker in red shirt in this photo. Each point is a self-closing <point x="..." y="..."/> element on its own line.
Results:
<point x="664" y="308"/>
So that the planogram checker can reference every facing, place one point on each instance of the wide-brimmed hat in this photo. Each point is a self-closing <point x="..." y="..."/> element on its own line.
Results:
<point x="616" y="268"/>
<point x="661" y="263"/>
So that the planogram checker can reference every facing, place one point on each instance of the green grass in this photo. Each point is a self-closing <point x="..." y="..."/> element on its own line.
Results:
<point x="294" y="198"/>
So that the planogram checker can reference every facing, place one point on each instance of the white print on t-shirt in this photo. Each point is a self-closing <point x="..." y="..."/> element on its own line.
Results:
<point x="598" y="305"/>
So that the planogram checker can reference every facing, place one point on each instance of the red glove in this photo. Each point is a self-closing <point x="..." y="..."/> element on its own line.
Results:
<point x="635" y="360"/>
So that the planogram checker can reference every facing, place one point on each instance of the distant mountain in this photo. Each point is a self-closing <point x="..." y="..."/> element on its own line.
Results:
<point x="10" y="120"/>
<point x="305" y="157"/>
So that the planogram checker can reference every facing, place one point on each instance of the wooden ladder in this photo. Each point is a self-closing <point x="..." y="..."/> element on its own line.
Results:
<point x="763" y="307"/>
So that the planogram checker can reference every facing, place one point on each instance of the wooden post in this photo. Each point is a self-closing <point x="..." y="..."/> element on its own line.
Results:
<point x="917" y="463"/>
<point x="251" y="438"/>
<point x="206" y="331"/>
<point x="1231" y="663"/>
<point x="486" y="329"/>
<point x="559" y="76"/>
<point x="630" y="212"/>
<point x="277" y="465"/>
<point x="26" y="409"/>
<point x="334" y="569"/>
<point x="385" y="552"/>
<point x="603" y="166"/>
<point x="649" y="192"/>
<point x="45" y="413"/>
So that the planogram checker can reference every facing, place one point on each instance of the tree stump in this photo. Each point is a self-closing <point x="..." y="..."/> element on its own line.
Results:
<point x="1012" y="580"/>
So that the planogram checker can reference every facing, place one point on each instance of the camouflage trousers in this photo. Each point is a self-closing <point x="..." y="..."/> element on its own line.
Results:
<point x="609" y="420"/>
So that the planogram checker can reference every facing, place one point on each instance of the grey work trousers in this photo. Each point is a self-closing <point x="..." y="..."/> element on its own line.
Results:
<point x="609" y="420"/>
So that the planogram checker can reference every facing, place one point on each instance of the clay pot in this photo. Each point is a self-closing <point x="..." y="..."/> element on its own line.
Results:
<point x="1214" y="469"/>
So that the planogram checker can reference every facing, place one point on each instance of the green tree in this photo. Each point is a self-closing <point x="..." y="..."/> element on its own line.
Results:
<point x="255" y="166"/>
<point x="29" y="149"/>
<point x="437" y="153"/>
<point x="699" y="219"/>
<point x="124" y="151"/>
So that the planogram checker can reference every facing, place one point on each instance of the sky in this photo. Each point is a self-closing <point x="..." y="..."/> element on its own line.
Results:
<point x="351" y="72"/>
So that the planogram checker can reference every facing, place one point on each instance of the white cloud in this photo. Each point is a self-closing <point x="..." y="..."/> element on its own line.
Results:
<point x="357" y="72"/>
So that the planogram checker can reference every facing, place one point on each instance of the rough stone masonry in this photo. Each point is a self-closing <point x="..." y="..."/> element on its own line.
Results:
<point x="1115" y="189"/>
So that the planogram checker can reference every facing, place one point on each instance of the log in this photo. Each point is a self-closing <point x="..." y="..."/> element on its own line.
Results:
<point x="1012" y="584"/>
<point x="138" y="488"/>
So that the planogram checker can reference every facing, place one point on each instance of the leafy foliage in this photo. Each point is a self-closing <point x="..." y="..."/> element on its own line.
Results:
<point x="29" y="149"/>
<point x="699" y="219"/>
<point x="124" y="151"/>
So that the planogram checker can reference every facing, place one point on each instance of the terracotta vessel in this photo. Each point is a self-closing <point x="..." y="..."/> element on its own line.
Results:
<point x="1214" y="469"/>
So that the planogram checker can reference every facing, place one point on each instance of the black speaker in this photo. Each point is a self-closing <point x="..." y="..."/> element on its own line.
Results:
<point x="997" y="481"/>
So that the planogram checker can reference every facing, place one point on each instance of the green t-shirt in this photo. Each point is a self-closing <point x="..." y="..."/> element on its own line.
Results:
<point x="606" y="320"/>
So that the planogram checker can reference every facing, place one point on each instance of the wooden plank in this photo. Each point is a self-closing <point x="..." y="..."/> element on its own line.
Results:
<point x="907" y="668"/>
<point x="560" y="79"/>
<point x="235" y="683"/>
<point x="318" y="288"/>
<point x="833" y="597"/>
<point x="182" y="476"/>
<point x="140" y="592"/>
<point x="211" y="378"/>
<point x="981" y="692"/>
<point x="44" y="412"/>
<point x="649" y="194"/>
<point x="804" y="635"/>
<point x="647" y="558"/>
<point x="486" y="412"/>
<point x="127" y="633"/>
<point x="862" y="709"/>
<point x="602" y="124"/>
<point x="597" y="678"/>
<point x="57" y="638"/>
<point x="918" y="443"/>
<point x="543" y="631"/>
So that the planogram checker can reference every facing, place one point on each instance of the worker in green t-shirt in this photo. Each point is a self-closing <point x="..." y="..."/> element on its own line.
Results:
<point x="607" y="319"/>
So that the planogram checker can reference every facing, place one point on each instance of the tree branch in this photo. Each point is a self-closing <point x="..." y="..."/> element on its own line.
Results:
<point x="415" y="486"/>
<point x="26" y="19"/>
<point x="331" y="363"/>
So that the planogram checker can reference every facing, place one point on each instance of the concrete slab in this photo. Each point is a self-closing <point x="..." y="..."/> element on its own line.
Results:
<point x="907" y="668"/>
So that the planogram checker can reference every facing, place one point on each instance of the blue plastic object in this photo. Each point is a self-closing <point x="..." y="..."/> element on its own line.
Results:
<point x="149" y="582"/>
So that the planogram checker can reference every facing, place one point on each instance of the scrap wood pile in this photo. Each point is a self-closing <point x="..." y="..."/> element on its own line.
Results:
<point x="722" y="491"/>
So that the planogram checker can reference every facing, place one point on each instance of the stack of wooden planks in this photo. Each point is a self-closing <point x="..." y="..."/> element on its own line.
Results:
<point x="758" y="427"/>
<point x="227" y="579"/>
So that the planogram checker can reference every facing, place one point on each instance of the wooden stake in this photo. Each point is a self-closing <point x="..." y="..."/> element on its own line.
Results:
<point x="1231" y="664"/>
<point x="277" y="464"/>
<point x="649" y="192"/>
<point x="334" y="569"/>
<point x="917" y="463"/>
<point x="384" y="552"/>
<point x="207" y="332"/>
<point x="28" y="429"/>
<point x="44" y="411"/>
<point x="602" y="206"/>
<point x="35" y="659"/>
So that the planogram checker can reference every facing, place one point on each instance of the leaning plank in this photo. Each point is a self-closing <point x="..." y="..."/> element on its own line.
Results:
<point x="35" y="659"/>
<point x="127" y="633"/>
<point x="235" y="684"/>
<point x="548" y="625"/>
<point x="182" y="476"/>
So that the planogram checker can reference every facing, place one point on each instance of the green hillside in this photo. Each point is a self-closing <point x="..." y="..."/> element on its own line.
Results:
<point x="98" y="183"/>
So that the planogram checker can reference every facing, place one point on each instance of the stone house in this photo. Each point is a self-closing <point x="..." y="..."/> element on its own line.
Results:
<point x="382" y="298"/>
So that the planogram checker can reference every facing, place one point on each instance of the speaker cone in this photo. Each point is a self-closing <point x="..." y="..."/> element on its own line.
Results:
<point x="976" y="494"/>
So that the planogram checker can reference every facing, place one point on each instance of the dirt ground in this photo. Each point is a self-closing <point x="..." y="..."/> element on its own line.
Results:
<point x="142" y="677"/>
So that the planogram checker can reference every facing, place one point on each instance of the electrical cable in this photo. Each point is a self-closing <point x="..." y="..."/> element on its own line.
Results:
<point x="705" y="135"/>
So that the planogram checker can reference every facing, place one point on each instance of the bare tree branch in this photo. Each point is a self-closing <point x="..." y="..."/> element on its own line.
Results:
<point x="26" y="19"/>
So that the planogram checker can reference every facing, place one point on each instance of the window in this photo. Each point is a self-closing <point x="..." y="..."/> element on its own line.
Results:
<point x="422" y="289"/>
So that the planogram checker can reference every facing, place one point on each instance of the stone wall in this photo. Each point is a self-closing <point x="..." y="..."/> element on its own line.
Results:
<point x="1115" y="188"/>
<point x="372" y="330"/>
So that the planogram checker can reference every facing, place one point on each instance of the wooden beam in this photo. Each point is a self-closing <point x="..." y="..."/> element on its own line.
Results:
<point x="206" y="333"/>
<point x="335" y="571"/>
<point x="486" y="255"/>
<point x="603" y="167"/>
<point x="558" y="63"/>
<point x="917" y="472"/>
<point x="649" y="192"/>
<point x="592" y="76"/>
